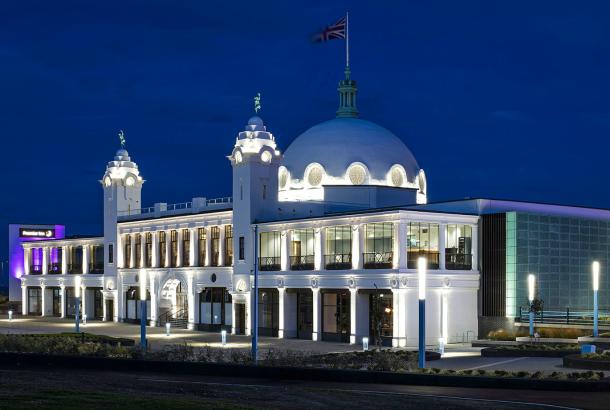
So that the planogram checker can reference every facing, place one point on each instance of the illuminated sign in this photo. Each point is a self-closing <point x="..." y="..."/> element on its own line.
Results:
<point x="36" y="233"/>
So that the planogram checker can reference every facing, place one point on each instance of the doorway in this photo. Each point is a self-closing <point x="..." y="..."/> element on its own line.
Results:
<point x="304" y="314"/>
<point x="109" y="310"/>
<point x="56" y="301"/>
<point x="240" y="318"/>
<point x="336" y="315"/>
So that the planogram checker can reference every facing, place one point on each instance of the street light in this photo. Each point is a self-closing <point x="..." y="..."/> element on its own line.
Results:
<point x="531" y="291"/>
<point x="595" y="268"/>
<point x="77" y="284"/>
<point x="421" y="278"/>
<point x="143" y="310"/>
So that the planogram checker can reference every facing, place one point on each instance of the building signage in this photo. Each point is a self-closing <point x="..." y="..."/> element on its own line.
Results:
<point x="36" y="233"/>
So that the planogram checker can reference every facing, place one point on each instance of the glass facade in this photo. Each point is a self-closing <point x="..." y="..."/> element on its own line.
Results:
<point x="559" y="251"/>
<point x="302" y="249"/>
<point x="338" y="247"/>
<point x="422" y="240"/>
<point x="186" y="247"/>
<point x="270" y="254"/>
<point x="228" y="245"/>
<point x="458" y="247"/>
<point x="378" y="245"/>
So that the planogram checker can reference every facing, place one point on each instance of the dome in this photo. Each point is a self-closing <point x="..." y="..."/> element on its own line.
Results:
<point x="122" y="155"/>
<point x="355" y="144"/>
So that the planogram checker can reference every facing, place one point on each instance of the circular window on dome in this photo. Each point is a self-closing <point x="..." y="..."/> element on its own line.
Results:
<point x="283" y="177"/>
<point x="422" y="182"/>
<point x="266" y="156"/>
<point x="356" y="174"/>
<point x="315" y="173"/>
<point x="397" y="175"/>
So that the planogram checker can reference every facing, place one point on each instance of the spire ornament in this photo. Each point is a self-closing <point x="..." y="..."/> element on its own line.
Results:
<point x="257" y="103"/>
<point x="122" y="138"/>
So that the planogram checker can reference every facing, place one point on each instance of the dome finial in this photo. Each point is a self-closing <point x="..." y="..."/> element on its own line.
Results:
<point x="347" y="96"/>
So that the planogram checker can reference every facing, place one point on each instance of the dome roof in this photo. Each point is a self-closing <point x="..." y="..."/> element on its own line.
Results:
<point x="337" y="143"/>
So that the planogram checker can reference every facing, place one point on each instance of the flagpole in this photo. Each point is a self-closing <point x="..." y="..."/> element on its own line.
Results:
<point x="347" y="39"/>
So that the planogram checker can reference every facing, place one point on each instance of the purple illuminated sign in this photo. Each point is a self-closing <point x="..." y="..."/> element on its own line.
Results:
<point x="34" y="233"/>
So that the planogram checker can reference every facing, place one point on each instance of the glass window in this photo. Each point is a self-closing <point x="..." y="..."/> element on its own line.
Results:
<point x="173" y="248"/>
<point x="127" y="252"/>
<point x="228" y="245"/>
<point x="422" y="240"/>
<point x="148" y="257"/>
<point x="458" y="247"/>
<point x="34" y="301"/>
<point x="215" y="245"/>
<point x="111" y="253"/>
<point x="186" y="247"/>
<point x="202" y="244"/>
<point x="268" y="312"/>
<point x="378" y="245"/>
<point x="163" y="248"/>
<point x="138" y="240"/>
<point x="302" y="249"/>
<point x="270" y="247"/>
<point x="338" y="247"/>
<point x="242" y="248"/>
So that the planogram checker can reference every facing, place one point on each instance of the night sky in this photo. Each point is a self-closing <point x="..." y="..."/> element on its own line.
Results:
<point x="501" y="99"/>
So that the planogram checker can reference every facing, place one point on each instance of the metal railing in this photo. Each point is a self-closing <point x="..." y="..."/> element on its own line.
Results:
<point x="338" y="261"/>
<point x="567" y="316"/>
<point x="269" y="263"/>
<point x="96" y="268"/>
<point x="181" y="206"/>
<point x="458" y="261"/>
<point x="75" y="268"/>
<point x="433" y="258"/>
<point x="377" y="260"/>
<point x="54" y="268"/>
<point x="305" y="262"/>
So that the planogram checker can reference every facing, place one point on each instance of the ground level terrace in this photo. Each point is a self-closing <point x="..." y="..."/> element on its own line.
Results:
<point x="385" y="311"/>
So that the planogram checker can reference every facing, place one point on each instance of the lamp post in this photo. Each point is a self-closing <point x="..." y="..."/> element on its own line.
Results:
<point x="421" y="278"/>
<point x="595" y="304"/>
<point x="77" y="289"/>
<point x="531" y="290"/>
<point x="143" y="310"/>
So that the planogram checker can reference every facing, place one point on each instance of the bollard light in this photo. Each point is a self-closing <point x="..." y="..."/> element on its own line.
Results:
<point x="10" y="315"/>
<point x="441" y="345"/>
<point x="595" y="269"/>
<point x="223" y="337"/>
<point x="365" y="344"/>
<point x="168" y="327"/>
<point x="422" y="266"/>
<point x="84" y="319"/>
<point x="531" y="292"/>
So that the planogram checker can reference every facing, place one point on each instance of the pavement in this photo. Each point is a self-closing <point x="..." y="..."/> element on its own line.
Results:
<point x="456" y="357"/>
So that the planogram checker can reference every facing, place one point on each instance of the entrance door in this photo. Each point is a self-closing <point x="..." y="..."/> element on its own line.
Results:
<point x="98" y="311"/>
<point x="56" y="302"/>
<point x="240" y="318"/>
<point x="304" y="314"/>
<point x="381" y="327"/>
<point x="336" y="316"/>
<point x="109" y="310"/>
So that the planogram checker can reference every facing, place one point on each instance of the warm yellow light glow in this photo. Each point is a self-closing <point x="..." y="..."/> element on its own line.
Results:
<point x="422" y="265"/>
<point x="595" y="275"/>
<point x="531" y="287"/>
<point x="143" y="285"/>
<point x="77" y="285"/>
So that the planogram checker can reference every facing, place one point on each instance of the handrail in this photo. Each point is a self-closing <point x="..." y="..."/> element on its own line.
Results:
<point x="175" y="314"/>
<point x="175" y="207"/>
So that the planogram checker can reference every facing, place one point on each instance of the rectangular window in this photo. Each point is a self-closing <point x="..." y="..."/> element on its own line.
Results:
<point x="302" y="249"/>
<point x="163" y="248"/>
<point x="111" y="253"/>
<point x="242" y="248"/>
<point x="34" y="301"/>
<point x="148" y="250"/>
<point x="215" y="245"/>
<point x="202" y="244"/>
<point x="422" y="240"/>
<point x="138" y="261"/>
<point x="338" y="247"/>
<point x="228" y="245"/>
<point x="173" y="249"/>
<point x="378" y="245"/>
<point x="96" y="264"/>
<point x="270" y="255"/>
<point x="458" y="247"/>
<point x="127" y="252"/>
<point x="76" y="260"/>
<point x="186" y="247"/>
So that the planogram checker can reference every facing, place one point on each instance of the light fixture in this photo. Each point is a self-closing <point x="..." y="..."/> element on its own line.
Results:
<point x="595" y="268"/>
<point x="10" y="315"/>
<point x="130" y="181"/>
<point x="77" y="286"/>
<point x="168" y="328"/>
<point x="365" y="344"/>
<point x="142" y="285"/>
<point x="531" y="287"/>
<point x="223" y="337"/>
<point x="266" y="157"/>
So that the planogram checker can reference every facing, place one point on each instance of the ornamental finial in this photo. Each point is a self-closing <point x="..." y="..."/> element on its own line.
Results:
<point x="122" y="138"/>
<point x="257" y="103"/>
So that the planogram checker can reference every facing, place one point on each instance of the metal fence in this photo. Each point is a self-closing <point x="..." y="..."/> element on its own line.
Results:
<point x="565" y="317"/>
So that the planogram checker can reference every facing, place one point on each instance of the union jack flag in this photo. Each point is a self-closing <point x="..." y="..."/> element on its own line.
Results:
<point x="332" y="32"/>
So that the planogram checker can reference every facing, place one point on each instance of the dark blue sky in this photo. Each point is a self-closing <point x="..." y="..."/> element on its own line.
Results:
<point x="505" y="99"/>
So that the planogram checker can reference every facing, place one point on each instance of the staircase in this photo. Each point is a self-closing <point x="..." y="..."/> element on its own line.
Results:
<point x="177" y="318"/>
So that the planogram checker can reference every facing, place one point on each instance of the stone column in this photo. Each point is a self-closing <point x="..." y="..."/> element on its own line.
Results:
<point x="475" y="247"/>
<point x="153" y="300"/>
<point x="442" y="232"/>
<point x="62" y="294"/>
<point x="168" y="248"/>
<point x="179" y="259"/>
<point x="116" y="306"/>
<point x="248" y="325"/>
<point x="285" y="250"/>
<point x="120" y="297"/>
<point x="319" y="245"/>
<point x="316" y="333"/>
<point x="104" y="312"/>
<point x="281" y="315"/>
<point x="43" y="306"/>
<point x="400" y="245"/>
<point x="64" y="260"/>
<point x="221" y="246"/>
<point x="86" y="258"/>
<point x="191" y="303"/>
<point x="143" y="255"/>
<point x="233" y="308"/>
<point x="45" y="260"/>
<point x="120" y="258"/>
<point x="132" y="259"/>
<point x="155" y="249"/>
<point x="395" y="318"/>
<point x="353" y="293"/>
<point x="193" y="248"/>
<point x="357" y="246"/>
<point x="83" y="300"/>
<point x="24" y="299"/>
<point x="208" y="247"/>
